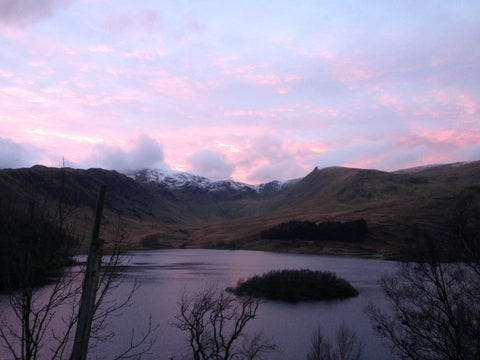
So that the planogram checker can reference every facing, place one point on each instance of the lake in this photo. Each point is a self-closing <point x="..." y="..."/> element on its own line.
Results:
<point x="164" y="274"/>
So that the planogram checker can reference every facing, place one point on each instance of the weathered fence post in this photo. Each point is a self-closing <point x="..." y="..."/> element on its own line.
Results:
<point x="90" y="284"/>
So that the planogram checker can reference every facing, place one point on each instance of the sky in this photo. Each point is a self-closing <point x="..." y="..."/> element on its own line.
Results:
<point x="247" y="90"/>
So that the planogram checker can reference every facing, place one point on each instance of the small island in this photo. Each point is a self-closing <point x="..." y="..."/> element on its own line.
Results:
<point x="296" y="285"/>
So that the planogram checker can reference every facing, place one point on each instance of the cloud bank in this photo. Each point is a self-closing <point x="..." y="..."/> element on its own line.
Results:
<point x="210" y="164"/>
<point x="145" y="153"/>
<point x="266" y="95"/>
<point x="24" y="12"/>
<point x="15" y="155"/>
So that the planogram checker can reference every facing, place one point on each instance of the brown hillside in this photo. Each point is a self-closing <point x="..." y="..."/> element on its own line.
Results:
<point x="399" y="207"/>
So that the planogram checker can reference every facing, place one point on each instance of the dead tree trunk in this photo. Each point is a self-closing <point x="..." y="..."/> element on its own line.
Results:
<point x="90" y="285"/>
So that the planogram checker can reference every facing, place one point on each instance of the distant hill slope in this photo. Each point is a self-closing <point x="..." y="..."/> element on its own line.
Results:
<point x="161" y="209"/>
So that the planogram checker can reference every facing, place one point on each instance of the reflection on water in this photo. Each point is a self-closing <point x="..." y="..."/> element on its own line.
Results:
<point x="165" y="274"/>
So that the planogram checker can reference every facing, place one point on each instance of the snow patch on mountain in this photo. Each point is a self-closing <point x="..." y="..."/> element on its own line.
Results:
<point x="181" y="180"/>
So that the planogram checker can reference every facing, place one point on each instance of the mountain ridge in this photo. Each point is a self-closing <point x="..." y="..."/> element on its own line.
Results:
<point x="178" y="180"/>
<point x="186" y="210"/>
<point x="175" y="179"/>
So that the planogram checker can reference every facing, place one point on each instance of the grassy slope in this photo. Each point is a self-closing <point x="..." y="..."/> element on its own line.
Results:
<point x="397" y="206"/>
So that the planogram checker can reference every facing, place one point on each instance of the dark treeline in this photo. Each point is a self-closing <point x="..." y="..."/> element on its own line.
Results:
<point x="351" y="231"/>
<point x="33" y="246"/>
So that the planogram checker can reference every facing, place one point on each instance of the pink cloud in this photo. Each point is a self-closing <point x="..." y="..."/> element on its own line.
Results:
<point x="348" y="73"/>
<point x="455" y="137"/>
<point x="36" y="64"/>
<point x="263" y="79"/>
<point x="348" y="89"/>
<point x="241" y="69"/>
<point x="388" y="100"/>
<point x="241" y="153"/>
<point x="144" y="54"/>
<point x="272" y="79"/>
<point x="5" y="74"/>
<point x="101" y="48"/>
<point x="267" y="157"/>
<point x="227" y="147"/>
<point x="468" y="103"/>
<point x="327" y="54"/>
<point x="228" y="58"/>
<point x="440" y="135"/>
<point x="447" y="104"/>
<point x="289" y="108"/>
<point x="291" y="78"/>
<point x="174" y="86"/>
<point x="323" y="111"/>
<point x="318" y="54"/>
<point x="247" y="113"/>
<point x="303" y="148"/>
<point x="428" y="113"/>
<point x="214" y="84"/>
<point x="67" y="136"/>
<point x="470" y="137"/>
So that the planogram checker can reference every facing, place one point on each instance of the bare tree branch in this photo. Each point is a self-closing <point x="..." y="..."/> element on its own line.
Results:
<point x="346" y="345"/>
<point x="434" y="304"/>
<point x="215" y="321"/>
<point x="43" y="318"/>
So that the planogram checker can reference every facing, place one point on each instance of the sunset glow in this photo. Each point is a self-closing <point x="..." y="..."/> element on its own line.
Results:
<point x="253" y="91"/>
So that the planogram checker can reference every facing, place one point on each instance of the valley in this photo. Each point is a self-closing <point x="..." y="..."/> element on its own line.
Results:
<point x="178" y="210"/>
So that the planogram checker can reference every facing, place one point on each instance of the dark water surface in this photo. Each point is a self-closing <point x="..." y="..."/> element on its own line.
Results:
<point x="165" y="274"/>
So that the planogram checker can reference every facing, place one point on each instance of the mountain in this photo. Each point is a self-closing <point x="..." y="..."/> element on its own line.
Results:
<point x="173" y="209"/>
<point x="177" y="180"/>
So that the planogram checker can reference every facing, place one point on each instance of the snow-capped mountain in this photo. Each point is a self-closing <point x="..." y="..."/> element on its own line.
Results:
<point x="181" y="180"/>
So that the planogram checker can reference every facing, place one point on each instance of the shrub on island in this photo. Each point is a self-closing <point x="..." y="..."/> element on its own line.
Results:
<point x="296" y="285"/>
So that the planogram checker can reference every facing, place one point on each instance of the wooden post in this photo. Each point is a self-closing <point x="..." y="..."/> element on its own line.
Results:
<point x="90" y="284"/>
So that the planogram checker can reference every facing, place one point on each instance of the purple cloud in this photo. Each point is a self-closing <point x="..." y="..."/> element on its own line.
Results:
<point x="121" y="22"/>
<point x="16" y="155"/>
<point x="146" y="153"/>
<point x="210" y="164"/>
<point x="24" y="12"/>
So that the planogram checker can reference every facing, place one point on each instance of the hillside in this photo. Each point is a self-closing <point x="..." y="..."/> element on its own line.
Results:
<point x="183" y="210"/>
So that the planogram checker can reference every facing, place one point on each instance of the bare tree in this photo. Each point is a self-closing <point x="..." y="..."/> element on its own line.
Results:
<point x="42" y="317"/>
<point x="320" y="347"/>
<point x="430" y="315"/>
<point x="215" y="322"/>
<point x="434" y="304"/>
<point x="35" y="246"/>
<point x="466" y="223"/>
<point x="346" y="345"/>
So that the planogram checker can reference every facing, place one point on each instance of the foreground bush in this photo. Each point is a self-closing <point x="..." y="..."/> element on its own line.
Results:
<point x="296" y="285"/>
